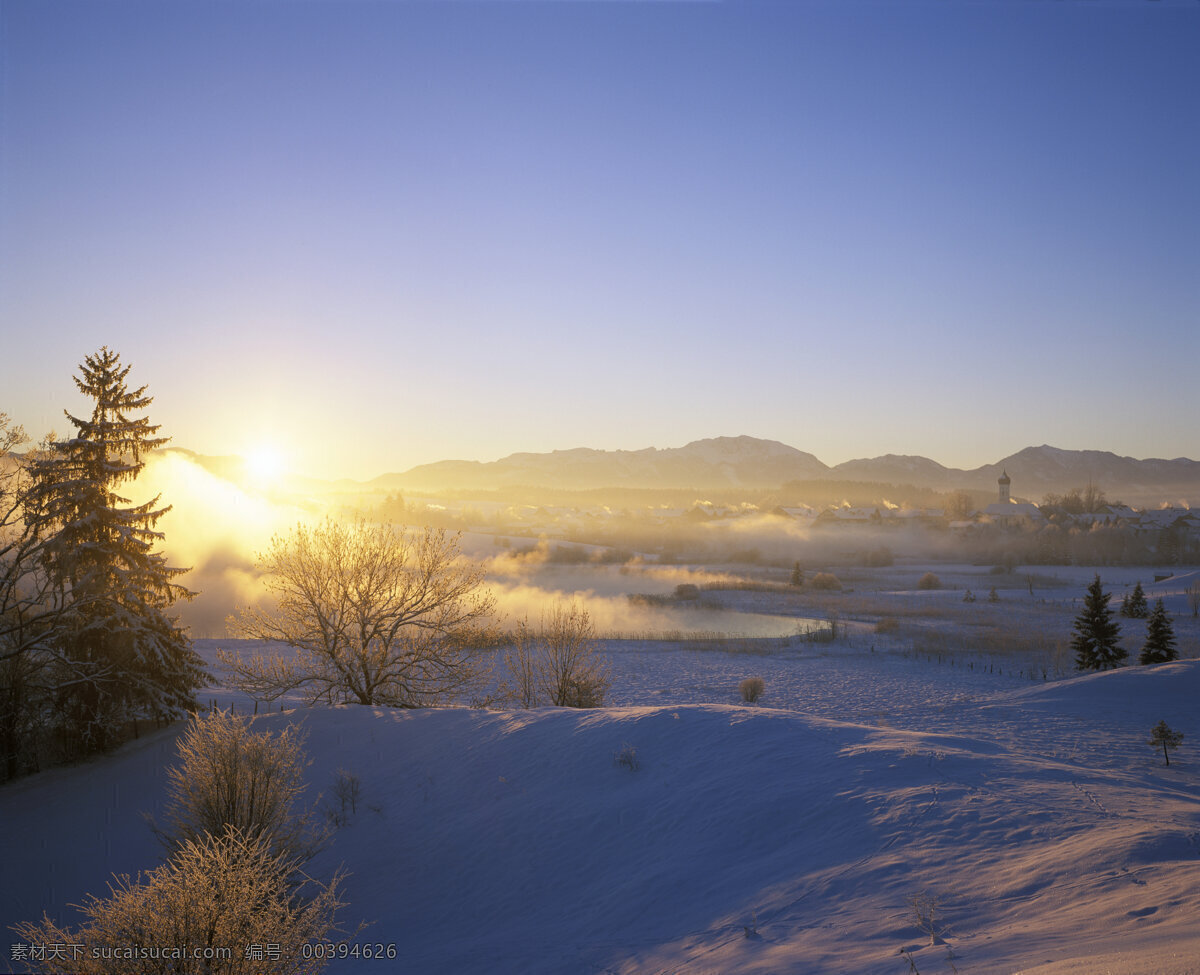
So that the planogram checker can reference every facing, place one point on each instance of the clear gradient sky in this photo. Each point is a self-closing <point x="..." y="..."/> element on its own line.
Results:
<point x="386" y="233"/>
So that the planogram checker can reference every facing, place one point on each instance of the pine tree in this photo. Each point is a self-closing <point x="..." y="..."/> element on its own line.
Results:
<point x="797" y="578"/>
<point x="1135" y="605"/>
<point x="127" y="658"/>
<point x="1096" y="633"/>
<point x="1159" y="647"/>
<point x="1162" y="736"/>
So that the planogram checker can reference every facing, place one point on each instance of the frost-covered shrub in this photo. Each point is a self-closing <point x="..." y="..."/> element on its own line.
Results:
<point x="217" y="894"/>
<point x="584" y="691"/>
<point x="880" y="557"/>
<point x="233" y="779"/>
<point x="929" y="581"/>
<point x="627" y="757"/>
<point x="752" y="689"/>
<point x="825" y="580"/>
<point x="888" y="624"/>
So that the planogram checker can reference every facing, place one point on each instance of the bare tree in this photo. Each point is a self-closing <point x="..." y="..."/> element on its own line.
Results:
<point x="1193" y="597"/>
<point x="21" y="588"/>
<point x="523" y="661"/>
<point x="33" y="611"/>
<point x="926" y="907"/>
<point x="375" y="615"/>
<point x="558" y="661"/>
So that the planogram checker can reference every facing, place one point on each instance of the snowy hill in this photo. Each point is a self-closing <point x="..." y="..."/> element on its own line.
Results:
<point x="512" y="842"/>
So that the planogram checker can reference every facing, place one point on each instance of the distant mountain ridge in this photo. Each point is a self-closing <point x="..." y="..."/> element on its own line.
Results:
<point x="717" y="462"/>
<point x="749" y="462"/>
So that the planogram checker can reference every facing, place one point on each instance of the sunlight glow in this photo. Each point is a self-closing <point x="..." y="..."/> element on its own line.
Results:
<point x="264" y="464"/>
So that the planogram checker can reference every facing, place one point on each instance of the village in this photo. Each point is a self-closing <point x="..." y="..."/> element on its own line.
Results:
<point x="1079" y="527"/>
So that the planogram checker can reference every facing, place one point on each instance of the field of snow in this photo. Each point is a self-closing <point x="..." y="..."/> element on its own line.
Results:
<point x="787" y="837"/>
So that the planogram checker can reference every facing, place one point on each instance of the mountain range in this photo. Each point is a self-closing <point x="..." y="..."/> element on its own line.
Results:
<point x="752" y="463"/>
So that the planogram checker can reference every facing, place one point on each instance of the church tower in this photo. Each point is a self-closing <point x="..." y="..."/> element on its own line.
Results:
<point x="1004" y="483"/>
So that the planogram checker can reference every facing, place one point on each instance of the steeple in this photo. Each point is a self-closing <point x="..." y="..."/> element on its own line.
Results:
<point x="1004" y="482"/>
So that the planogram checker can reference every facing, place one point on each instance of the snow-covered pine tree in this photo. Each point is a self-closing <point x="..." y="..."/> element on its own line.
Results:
<point x="125" y="658"/>
<point x="1096" y="632"/>
<point x="1135" y="605"/>
<point x="1159" y="647"/>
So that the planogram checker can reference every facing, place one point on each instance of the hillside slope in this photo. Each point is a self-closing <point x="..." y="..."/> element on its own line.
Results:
<point x="491" y="841"/>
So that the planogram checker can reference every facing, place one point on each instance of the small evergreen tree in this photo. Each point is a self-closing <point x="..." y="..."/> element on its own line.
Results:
<point x="797" y="579"/>
<point x="1135" y="605"/>
<point x="1159" y="647"/>
<point x="1161" y="734"/>
<point x="125" y="657"/>
<point x="1096" y="632"/>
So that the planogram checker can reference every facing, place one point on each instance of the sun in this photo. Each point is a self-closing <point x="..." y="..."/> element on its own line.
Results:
<point x="264" y="464"/>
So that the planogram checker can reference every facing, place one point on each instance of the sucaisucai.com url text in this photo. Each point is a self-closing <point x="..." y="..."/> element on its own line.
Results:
<point x="58" y="951"/>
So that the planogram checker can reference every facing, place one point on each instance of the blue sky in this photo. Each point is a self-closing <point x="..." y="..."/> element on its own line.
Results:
<point x="384" y="233"/>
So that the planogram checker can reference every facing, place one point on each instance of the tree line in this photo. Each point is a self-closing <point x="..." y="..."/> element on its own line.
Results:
<point x="1097" y="633"/>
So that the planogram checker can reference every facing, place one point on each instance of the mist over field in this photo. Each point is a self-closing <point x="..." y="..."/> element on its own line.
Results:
<point x="217" y="525"/>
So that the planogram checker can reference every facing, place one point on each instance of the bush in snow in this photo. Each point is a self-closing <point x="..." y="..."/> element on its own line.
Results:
<point x="218" y="893"/>
<point x="752" y="689"/>
<point x="231" y="779"/>
<point x="929" y="581"/>
<point x="626" y="757"/>
<point x="825" y="580"/>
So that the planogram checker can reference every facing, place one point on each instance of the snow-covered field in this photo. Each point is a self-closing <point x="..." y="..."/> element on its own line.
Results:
<point x="786" y="837"/>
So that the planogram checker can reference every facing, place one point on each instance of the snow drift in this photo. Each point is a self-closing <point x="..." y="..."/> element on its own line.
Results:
<point x="746" y="839"/>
